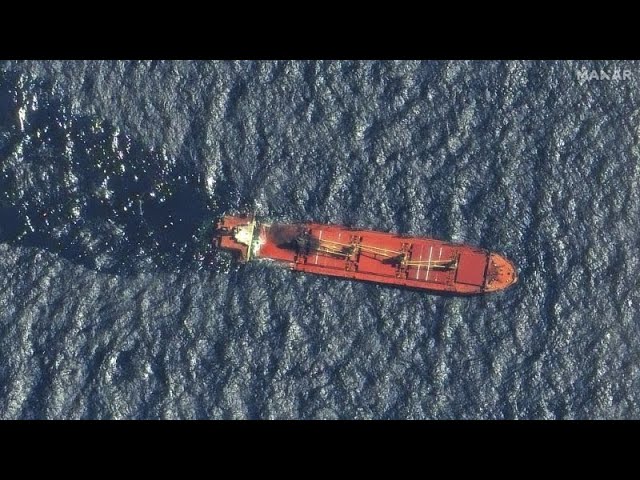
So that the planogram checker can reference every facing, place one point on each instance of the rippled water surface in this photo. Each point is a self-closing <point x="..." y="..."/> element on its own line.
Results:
<point x="114" y="305"/>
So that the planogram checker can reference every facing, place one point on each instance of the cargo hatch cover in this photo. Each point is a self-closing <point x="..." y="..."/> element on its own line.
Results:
<point x="471" y="268"/>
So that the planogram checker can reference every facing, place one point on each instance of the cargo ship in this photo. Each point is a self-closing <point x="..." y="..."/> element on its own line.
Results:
<point x="414" y="262"/>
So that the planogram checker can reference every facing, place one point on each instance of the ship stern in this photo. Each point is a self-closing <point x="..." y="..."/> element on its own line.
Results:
<point x="236" y="234"/>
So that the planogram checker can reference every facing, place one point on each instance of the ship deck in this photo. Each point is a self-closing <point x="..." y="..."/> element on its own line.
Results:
<point x="415" y="262"/>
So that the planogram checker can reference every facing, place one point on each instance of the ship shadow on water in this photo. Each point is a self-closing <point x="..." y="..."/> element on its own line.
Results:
<point x="373" y="288"/>
<point x="77" y="187"/>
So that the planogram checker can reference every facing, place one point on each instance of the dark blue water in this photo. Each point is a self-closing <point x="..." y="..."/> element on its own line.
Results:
<point x="114" y="305"/>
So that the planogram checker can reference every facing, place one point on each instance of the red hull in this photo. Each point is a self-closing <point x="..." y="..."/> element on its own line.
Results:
<point x="387" y="258"/>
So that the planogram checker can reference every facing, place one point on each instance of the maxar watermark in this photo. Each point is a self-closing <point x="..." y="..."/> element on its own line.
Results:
<point x="612" y="74"/>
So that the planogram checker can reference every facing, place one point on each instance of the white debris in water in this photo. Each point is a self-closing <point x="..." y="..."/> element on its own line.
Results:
<point x="22" y="115"/>
<point x="114" y="140"/>
<point x="75" y="212"/>
<point x="103" y="191"/>
<point x="29" y="225"/>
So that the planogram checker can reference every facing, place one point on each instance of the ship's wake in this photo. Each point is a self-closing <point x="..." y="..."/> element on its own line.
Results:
<point x="78" y="187"/>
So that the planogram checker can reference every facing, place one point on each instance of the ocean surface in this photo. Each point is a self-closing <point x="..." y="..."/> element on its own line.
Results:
<point x="114" y="305"/>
